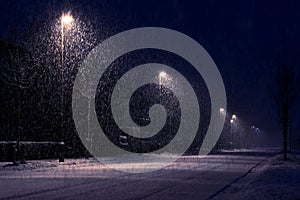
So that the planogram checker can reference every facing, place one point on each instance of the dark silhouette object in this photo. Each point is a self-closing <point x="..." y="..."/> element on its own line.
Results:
<point x="19" y="153"/>
<point x="62" y="152"/>
<point x="285" y="93"/>
<point x="14" y="150"/>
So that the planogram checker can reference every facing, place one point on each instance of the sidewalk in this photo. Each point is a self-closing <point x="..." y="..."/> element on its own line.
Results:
<point x="273" y="179"/>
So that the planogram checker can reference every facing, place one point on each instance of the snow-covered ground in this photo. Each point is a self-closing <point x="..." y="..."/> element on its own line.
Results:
<point x="43" y="164"/>
<point x="190" y="177"/>
<point x="272" y="179"/>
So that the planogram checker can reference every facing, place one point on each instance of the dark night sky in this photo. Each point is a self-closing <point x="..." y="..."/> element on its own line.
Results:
<point x="245" y="38"/>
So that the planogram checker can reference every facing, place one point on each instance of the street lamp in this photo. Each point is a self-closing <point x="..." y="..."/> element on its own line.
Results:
<point x="163" y="75"/>
<point x="232" y="122"/>
<point x="66" y="21"/>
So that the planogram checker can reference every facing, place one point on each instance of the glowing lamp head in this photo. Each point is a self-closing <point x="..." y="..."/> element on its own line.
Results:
<point x="66" y="19"/>
<point x="231" y="121"/>
<point x="162" y="74"/>
<point x="234" y="117"/>
<point x="222" y="110"/>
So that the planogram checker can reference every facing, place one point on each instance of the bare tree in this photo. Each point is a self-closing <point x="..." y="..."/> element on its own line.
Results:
<point x="13" y="60"/>
<point x="285" y="92"/>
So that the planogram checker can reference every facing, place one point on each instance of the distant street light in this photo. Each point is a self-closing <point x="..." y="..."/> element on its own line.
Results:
<point x="257" y="130"/>
<point x="234" y="117"/>
<point x="66" y="20"/>
<point x="162" y="74"/>
<point x="222" y="110"/>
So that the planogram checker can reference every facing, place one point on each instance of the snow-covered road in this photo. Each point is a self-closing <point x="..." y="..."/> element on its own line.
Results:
<point x="190" y="177"/>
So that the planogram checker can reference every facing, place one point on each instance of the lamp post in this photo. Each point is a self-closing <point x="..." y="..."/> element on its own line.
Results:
<point x="65" y="20"/>
<point x="231" y="132"/>
<point x="161" y="75"/>
<point x="222" y="113"/>
<point x="232" y="121"/>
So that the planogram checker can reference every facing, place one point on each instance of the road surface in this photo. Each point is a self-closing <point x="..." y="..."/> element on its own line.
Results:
<point x="190" y="177"/>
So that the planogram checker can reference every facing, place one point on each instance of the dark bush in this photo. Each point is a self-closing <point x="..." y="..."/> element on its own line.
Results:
<point x="34" y="150"/>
